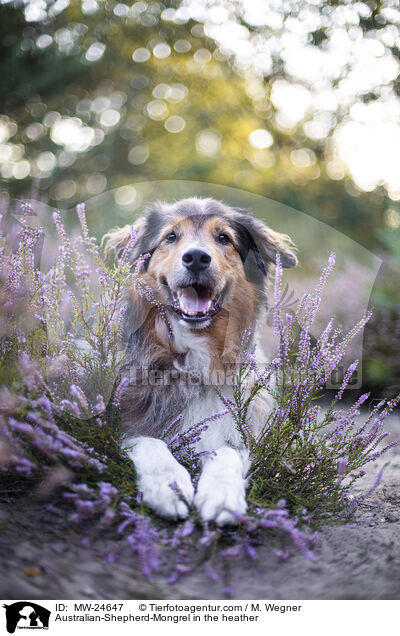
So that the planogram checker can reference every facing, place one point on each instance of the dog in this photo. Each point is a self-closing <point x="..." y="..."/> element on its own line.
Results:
<point x="205" y="273"/>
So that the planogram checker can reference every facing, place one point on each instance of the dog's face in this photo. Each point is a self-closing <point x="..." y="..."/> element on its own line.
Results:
<point x="197" y="261"/>
<point x="201" y="253"/>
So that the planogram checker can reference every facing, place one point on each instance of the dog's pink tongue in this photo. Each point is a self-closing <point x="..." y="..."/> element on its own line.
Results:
<point x="192" y="303"/>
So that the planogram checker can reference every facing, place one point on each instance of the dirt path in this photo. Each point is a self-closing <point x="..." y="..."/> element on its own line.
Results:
<point x="39" y="561"/>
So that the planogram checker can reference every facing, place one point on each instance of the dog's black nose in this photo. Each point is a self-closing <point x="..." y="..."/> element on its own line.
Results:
<point x="196" y="260"/>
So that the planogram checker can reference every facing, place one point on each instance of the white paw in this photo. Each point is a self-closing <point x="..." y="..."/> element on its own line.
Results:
<point x="156" y="471"/>
<point x="219" y="500"/>
<point x="164" y="499"/>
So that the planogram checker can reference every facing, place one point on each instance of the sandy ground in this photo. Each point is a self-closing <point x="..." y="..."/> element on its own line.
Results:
<point x="39" y="561"/>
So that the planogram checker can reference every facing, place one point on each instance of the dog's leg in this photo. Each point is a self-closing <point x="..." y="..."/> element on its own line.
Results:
<point x="221" y="491"/>
<point x="157" y="470"/>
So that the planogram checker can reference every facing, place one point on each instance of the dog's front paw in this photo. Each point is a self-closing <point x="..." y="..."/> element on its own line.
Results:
<point x="168" y="492"/>
<point x="221" y="501"/>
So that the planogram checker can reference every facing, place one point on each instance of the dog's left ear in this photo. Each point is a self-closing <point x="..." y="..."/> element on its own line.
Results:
<point x="261" y="245"/>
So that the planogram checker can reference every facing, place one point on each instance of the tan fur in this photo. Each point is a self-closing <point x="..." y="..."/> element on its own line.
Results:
<point x="229" y="326"/>
<point x="224" y="334"/>
<point x="237" y="279"/>
<point x="163" y="335"/>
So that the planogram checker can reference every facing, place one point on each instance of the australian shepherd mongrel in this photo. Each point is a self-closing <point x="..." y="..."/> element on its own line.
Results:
<point x="206" y="268"/>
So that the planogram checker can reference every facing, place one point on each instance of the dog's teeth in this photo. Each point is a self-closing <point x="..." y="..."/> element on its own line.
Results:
<point x="192" y="303"/>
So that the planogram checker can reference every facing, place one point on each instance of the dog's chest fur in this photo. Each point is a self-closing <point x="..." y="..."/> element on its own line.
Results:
<point x="204" y="400"/>
<point x="166" y="375"/>
<point x="169" y="374"/>
<point x="192" y="349"/>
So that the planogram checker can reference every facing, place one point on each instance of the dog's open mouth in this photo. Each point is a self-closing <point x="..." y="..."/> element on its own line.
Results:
<point x="196" y="303"/>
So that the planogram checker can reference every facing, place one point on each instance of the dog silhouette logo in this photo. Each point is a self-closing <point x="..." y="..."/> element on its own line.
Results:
<point x="26" y="615"/>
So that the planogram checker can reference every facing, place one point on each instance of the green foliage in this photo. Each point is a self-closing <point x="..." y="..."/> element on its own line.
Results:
<point x="58" y="439"/>
<point x="381" y="342"/>
<point x="303" y="456"/>
<point x="48" y="74"/>
<point x="105" y="439"/>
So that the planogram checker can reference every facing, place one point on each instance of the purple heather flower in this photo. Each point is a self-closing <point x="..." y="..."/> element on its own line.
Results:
<point x="81" y="212"/>
<point x="32" y="414"/>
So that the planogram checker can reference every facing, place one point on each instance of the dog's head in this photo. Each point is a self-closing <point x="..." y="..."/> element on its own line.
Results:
<point x="201" y="252"/>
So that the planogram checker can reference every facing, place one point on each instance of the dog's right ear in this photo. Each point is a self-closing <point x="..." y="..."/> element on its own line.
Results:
<point x="148" y="228"/>
<point x="116" y="240"/>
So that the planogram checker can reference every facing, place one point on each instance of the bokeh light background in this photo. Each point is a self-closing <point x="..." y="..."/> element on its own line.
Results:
<point x="295" y="101"/>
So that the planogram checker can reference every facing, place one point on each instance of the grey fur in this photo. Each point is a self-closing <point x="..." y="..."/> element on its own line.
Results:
<point x="147" y="409"/>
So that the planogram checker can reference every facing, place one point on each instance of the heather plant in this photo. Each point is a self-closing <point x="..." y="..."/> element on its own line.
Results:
<point x="59" y="420"/>
<point x="306" y="456"/>
<point x="84" y="316"/>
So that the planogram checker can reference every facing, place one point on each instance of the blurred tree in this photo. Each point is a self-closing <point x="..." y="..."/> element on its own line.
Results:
<point x="97" y="94"/>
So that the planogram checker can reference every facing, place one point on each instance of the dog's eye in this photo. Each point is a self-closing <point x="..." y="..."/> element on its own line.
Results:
<point x="223" y="238"/>
<point x="171" y="237"/>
